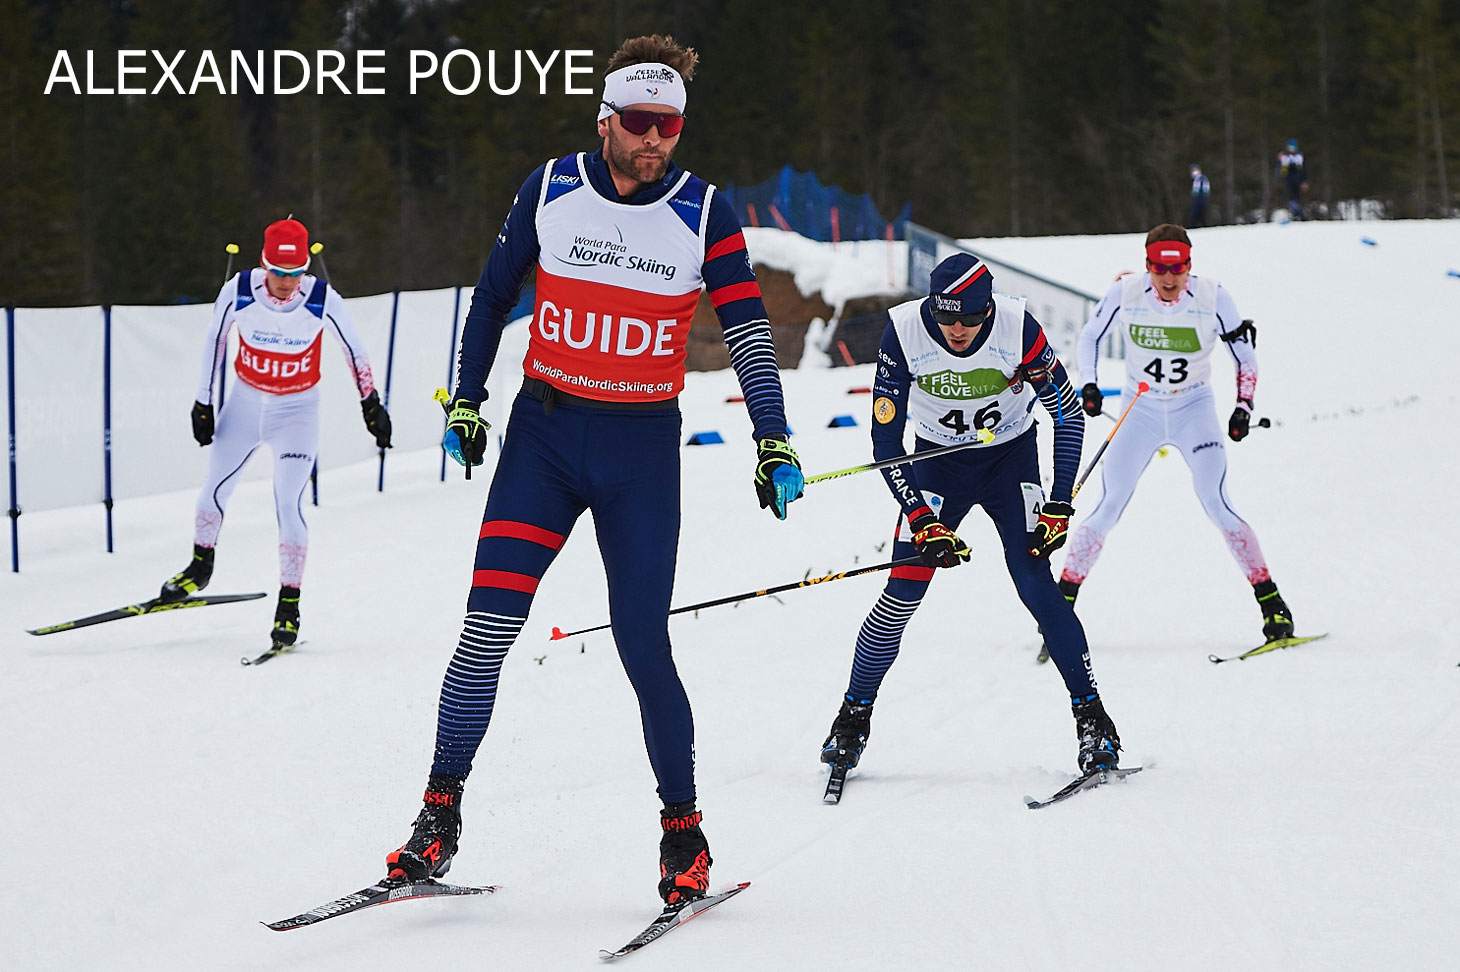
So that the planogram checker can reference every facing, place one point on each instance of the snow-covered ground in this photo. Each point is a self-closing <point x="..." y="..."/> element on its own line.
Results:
<point x="158" y="800"/>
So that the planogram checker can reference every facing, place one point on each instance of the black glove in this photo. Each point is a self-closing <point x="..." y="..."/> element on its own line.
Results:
<point x="377" y="419"/>
<point x="202" y="423"/>
<point x="1049" y="533"/>
<point x="466" y="433"/>
<point x="1091" y="399"/>
<point x="1237" y="425"/>
<point x="938" y="545"/>
<point x="778" y="478"/>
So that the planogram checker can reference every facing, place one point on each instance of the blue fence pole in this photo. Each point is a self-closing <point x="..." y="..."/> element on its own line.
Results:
<point x="106" y="418"/>
<point x="450" y="369"/>
<point x="14" y="511"/>
<point x="389" y="367"/>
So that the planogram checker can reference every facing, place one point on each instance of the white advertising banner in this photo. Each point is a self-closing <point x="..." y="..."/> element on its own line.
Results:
<point x="60" y="437"/>
<point x="60" y="368"/>
<point x="157" y="354"/>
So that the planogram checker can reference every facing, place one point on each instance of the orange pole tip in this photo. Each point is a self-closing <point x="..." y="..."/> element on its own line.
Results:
<point x="557" y="633"/>
<point x="1143" y="388"/>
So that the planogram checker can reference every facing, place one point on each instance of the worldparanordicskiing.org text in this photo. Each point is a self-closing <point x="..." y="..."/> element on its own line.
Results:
<point x="601" y="384"/>
<point x="284" y="72"/>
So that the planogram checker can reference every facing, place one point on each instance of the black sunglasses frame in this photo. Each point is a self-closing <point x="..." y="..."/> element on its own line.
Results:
<point x="948" y="318"/>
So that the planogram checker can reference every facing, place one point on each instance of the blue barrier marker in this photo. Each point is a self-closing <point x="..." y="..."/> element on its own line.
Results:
<point x="389" y="369"/>
<point x="705" y="438"/>
<point x="1452" y="273"/>
<point x="841" y="422"/>
<point x="106" y="418"/>
<point x="1368" y="241"/>
<point x="14" y="511"/>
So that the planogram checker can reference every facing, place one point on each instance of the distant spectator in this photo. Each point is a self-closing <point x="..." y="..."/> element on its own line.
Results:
<point x="1290" y="167"/>
<point x="1201" y="190"/>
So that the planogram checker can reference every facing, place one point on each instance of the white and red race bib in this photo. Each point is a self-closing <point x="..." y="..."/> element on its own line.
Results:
<point x="617" y="287"/>
<point x="278" y="372"/>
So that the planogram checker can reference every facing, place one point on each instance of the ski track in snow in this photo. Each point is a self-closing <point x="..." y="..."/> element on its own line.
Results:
<point x="1300" y="814"/>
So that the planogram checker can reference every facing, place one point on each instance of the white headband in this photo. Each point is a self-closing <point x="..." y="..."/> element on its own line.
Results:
<point x="643" y="84"/>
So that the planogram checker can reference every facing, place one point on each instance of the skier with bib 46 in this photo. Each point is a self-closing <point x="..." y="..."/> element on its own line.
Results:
<point x="958" y="362"/>
<point x="622" y="239"/>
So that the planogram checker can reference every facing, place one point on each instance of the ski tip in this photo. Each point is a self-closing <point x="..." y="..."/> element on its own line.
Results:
<point x="245" y="660"/>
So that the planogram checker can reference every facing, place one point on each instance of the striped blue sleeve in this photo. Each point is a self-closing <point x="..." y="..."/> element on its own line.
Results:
<point x="513" y="256"/>
<point x="1058" y="397"/>
<point x="730" y="282"/>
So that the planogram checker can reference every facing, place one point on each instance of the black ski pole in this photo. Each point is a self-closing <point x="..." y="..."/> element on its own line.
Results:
<point x="808" y="582"/>
<point x="232" y="250"/>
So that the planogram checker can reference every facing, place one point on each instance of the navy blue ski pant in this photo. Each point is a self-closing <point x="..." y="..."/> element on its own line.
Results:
<point x="990" y="477"/>
<point x="624" y="467"/>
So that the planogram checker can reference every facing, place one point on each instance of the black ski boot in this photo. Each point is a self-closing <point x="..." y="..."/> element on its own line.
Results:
<point x="1277" y="620"/>
<point x="1099" y="743"/>
<point x="192" y="579"/>
<point x="429" y="852"/>
<point x="850" y="731"/>
<point x="684" y="854"/>
<point x="286" y="617"/>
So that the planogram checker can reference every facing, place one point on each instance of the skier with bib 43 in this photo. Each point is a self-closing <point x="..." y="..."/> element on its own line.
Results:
<point x="1173" y="321"/>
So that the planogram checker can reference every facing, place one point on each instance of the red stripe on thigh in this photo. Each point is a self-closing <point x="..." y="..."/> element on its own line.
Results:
<point x="521" y="531"/>
<point x="505" y="579"/>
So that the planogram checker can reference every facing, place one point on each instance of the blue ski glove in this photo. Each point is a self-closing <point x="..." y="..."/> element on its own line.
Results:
<point x="466" y="432"/>
<point x="778" y="478"/>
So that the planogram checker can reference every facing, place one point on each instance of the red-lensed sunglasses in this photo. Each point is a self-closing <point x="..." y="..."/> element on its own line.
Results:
<point x="638" y="122"/>
<point x="1161" y="269"/>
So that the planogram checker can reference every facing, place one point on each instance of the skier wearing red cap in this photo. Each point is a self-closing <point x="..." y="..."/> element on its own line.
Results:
<point x="1173" y="321"/>
<point x="961" y="362"/>
<point x="281" y="312"/>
